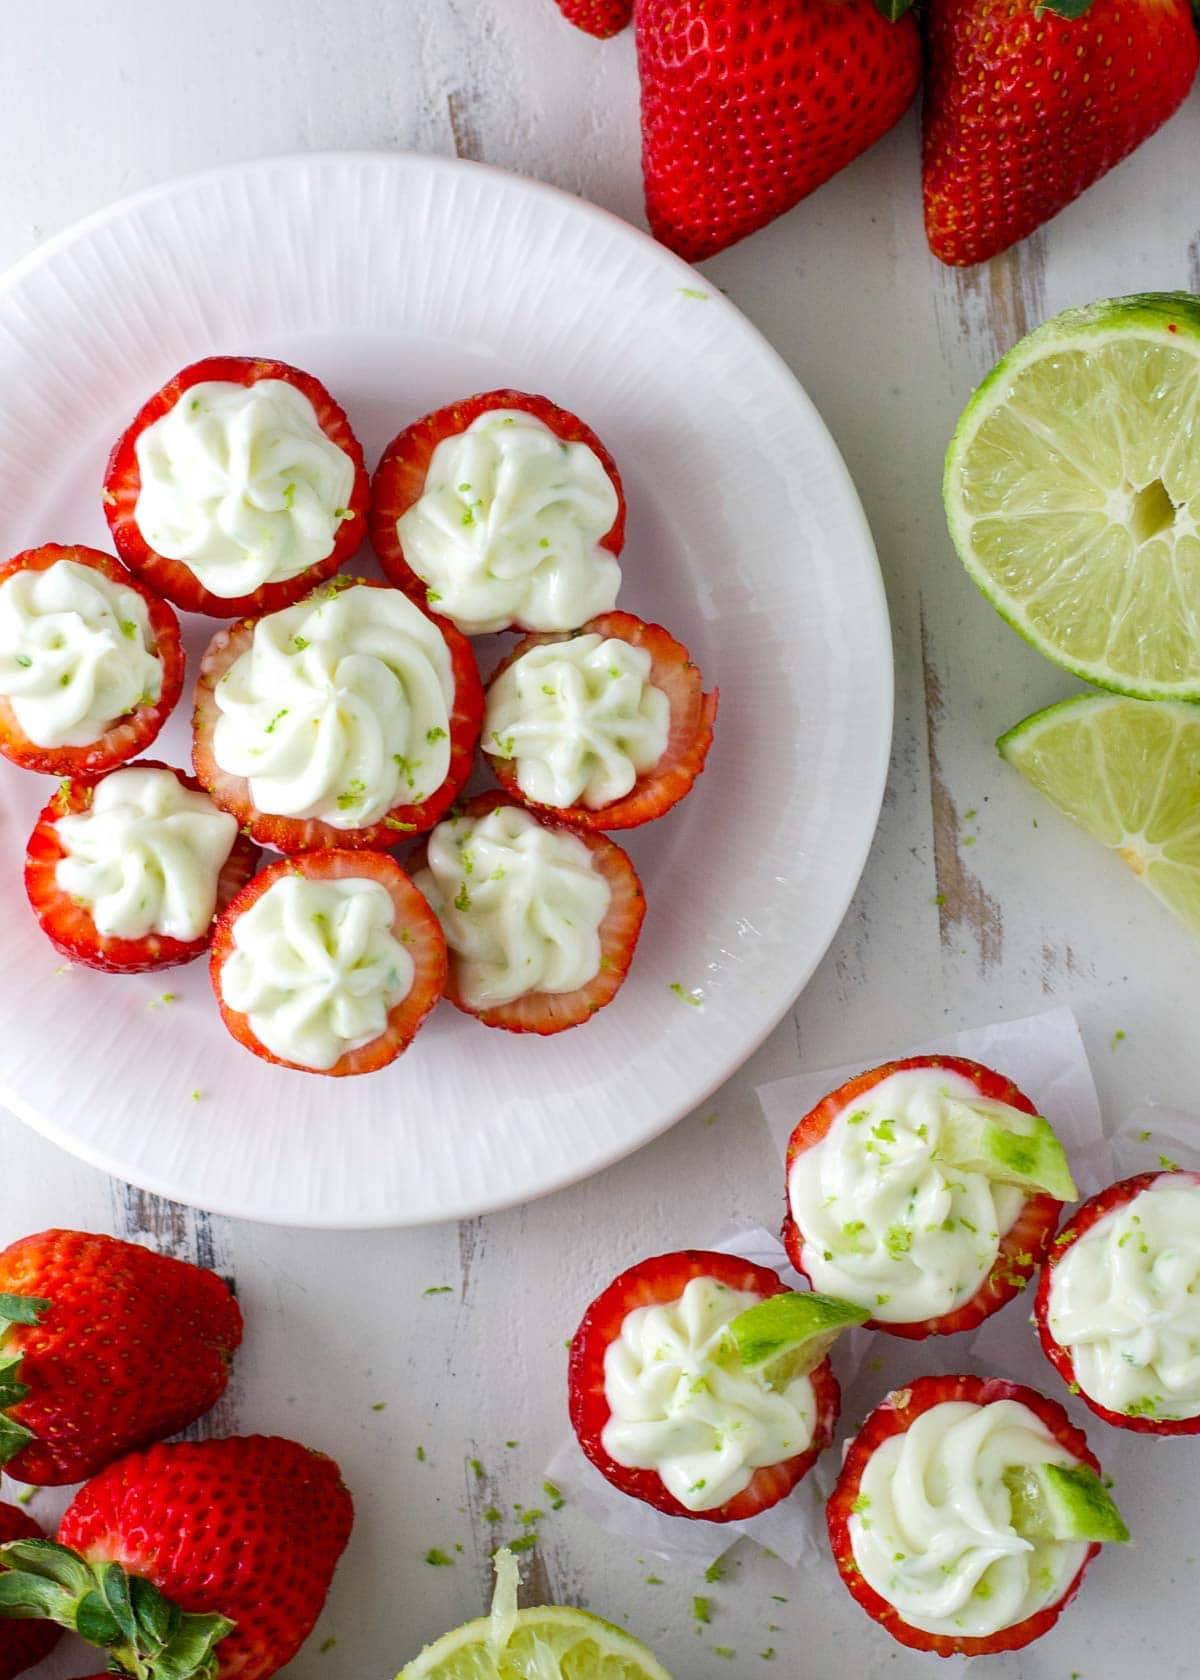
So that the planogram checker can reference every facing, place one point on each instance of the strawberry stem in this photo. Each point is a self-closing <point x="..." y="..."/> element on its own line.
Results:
<point x="147" y="1636"/>
<point x="15" y="1309"/>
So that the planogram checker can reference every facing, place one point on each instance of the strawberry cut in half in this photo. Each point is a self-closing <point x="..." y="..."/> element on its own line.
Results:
<point x="1110" y="1200"/>
<point x="414" y="925"/>
<point x="552" y="1012"/>
<point x="1022" y="1248"/>
<point x="895" y="1416"/>
<point x="175" y="579"/>
<point x="303" y="834"/>
<point x="400" y="477"/>
<point x="68" y="923"/>
<point x="125" y="736"/>
<point x="22" y="1643"/>
<point x="692" y="716"/>
<point x="196" y="1560"/>
<point x="107" y="1347"/>
<point x="660" y="1281"/>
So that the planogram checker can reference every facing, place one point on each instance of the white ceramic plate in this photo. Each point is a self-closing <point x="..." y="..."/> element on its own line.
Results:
<point x="404" y="282"/>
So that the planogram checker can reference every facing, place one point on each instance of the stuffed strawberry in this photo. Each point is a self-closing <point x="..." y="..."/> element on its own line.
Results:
<point x="1118" y="1308"/>
<point x="22" y="1644"/>
<point x="91" y="663"/>
<point x="605" y="728"/>
<point x="601" y="18"/>
<point x="107" y="1346"/>
<point x="1026" y="105"/>
<point x="750" y="105"/>
<point x="328" y="963"/>
<point x="128" y="873"/>
<point x="348" y="720"/>
<point x="197" y="1560"/>
<point x="701" y="1385"/>
<point x="237" y="487"/>
<point x="927" y="1190"/>
<point x="966" y="1513"/>
<point x="541" y="921"/>
<point x="501" y="511"/>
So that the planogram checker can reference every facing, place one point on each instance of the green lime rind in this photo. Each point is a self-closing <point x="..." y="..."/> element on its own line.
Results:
<point x="585" y="1647"/>
<point x="798" y="1327"/>
<point x="1062" y="1502"/>
<point x="1128" y="773"/>
<point x="1007" y="1146"/>
<point x="1056" y="488"/>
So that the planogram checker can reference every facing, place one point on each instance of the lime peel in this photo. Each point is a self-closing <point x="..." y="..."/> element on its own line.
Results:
<point x="788" y="1335"/>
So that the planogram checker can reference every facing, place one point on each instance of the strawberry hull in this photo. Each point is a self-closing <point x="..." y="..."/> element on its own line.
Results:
<point x="552" y="1012"/>
<point x="174" y="579"/>
<point x="1107" y="1201"/>
<point x="894" y="1416"/>
<point x="1022" y="1248"/>
<point x="693" y="714"/>
<point x="69" y="927"/>
<point x="128" y="735"/>
<point x="656" y="1282"/>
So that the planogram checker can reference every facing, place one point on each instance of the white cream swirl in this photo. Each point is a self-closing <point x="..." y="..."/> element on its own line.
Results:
<point x="240" y="484"/>
<point x="1125" y="1301"/>
<point x="581" y="719"/>
<point x="146" y="856"/>
<point x="520" y="905"/>
<point x="507" y="529"/>
<point x="683" y="1404"/>
<point x="74" y="653"/>
<point x="316" y="967"/>
<point x="931" y="1529"/>
<point x="340" y="708"/>
<point x="886" y="1222"/>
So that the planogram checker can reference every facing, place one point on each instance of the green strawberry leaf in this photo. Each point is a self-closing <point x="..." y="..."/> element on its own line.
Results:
<point x="1062" y="8"/>
<point x="22" y="1309"/>
<point x="30" y="1598"/>
<point x="48" y="1560"/>
<point x="13" y="1436"/>
<point x="892" y="10"/>
<point x="95" y="1622"/>
<point x="114" y="1588"/>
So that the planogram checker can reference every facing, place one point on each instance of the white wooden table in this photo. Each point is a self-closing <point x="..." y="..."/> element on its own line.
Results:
<point x="967" y="912"/>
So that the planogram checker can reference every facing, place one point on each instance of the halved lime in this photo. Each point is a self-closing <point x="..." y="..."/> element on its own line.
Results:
<point x="1062" y="1502"/>
<point x="787" y="1336"/>
<point x="1129" y="773"/>
<point x="1072" y="492"/>
<point x="552" y="1643"/>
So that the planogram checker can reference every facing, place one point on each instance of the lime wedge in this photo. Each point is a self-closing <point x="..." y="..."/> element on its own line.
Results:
<point x="1006" y="1145"/>
<point x="1129" y="773"/>
<point x="1062" y="1502"/>
<point x="1072" y="492"/>
<point x="791" y="1334"/>
<point x="552" y="1643"/>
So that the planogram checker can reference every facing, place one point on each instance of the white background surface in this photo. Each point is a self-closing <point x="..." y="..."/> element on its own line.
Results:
<point x="98" y="99"/>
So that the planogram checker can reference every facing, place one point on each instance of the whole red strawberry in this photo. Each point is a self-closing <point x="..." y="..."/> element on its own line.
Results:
<point x="105" y="1347"/>
<point x="22" y="1643"/>
<point x="197" y="1560"/>
<point x="750" y="105"/>
<point x="1026" y="105"/>
<point x="597" y="17"/>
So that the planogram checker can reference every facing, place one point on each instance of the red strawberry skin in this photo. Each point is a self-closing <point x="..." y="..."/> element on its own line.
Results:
<point x="69" y="926"/>
<point x="750" y="105"/>
<point x="1024" y="109"/>
<point x="894" y="1416"/>
<point x="424" y="941"/>
<point x="132" y="1347"/>
<point x="601" y="18"/>
<point x="655" y="1282"/>
<point x="552" y="1012"/>
<point x="247" y="1527"/>
<point x="172" y="578"/>
<point x="1022" y="1248"/>
<point x="693" y="714"/>
<point x="399" y="479"/>
<point x="22" y="1644"/>
<point x="1107" y="1201"/>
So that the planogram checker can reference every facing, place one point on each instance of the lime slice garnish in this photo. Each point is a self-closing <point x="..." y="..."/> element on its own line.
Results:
<point x="787" y="1336"/>
<point x="1006" y="1145"/>
<point x="1062" y="1502"/>
<point x="552" y="1643"/>
<point x="1129" y="773"/>
<point x="1072" y="492"/>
